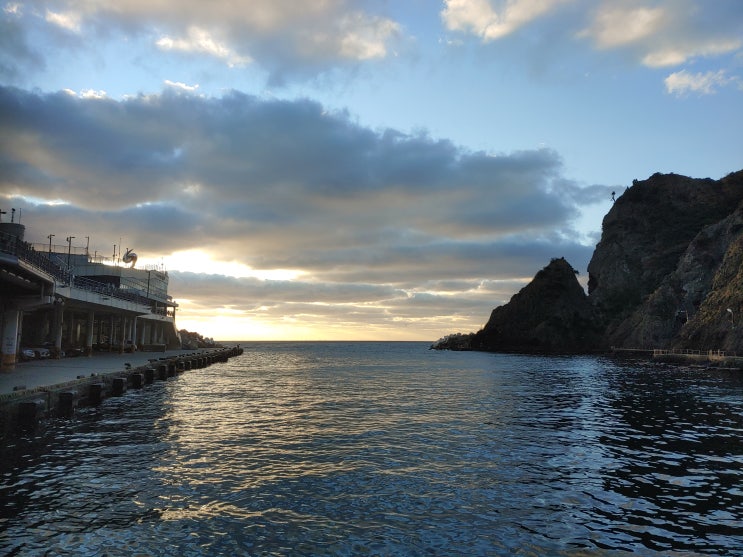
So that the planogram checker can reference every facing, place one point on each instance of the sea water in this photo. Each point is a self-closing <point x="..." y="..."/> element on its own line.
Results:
<point x="388" y="449"/>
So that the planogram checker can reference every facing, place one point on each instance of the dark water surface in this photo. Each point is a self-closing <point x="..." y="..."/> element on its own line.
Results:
<point x="388" y="449"/>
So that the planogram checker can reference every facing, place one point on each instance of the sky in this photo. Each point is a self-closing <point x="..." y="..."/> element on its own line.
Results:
<point x="355" y="169"/>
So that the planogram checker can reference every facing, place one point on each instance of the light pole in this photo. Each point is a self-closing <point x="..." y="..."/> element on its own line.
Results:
<point x="50" y="243"/>
<point x="732" y="321"/>
<point x="69" y="250"/>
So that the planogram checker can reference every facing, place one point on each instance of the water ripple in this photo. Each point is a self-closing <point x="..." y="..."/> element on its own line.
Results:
<point x="378" y="449"/>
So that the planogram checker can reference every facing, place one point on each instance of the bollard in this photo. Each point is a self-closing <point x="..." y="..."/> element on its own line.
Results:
<point x="187" y="365"/>
<point x="67" y="403"/>
<point x="171" y="369"/>
<point x="31" y="410"/>
<point x="95" y="393"/>
<point x="118" y="386"/>
<point x="162" y="372"/>
<point x="137" y="380"/>
<point x="149" y="375"/>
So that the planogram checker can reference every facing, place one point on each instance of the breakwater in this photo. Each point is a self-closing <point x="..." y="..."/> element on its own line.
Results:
<point x="25" y="407"/>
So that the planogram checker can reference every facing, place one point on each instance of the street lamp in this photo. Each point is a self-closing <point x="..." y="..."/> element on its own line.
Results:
<point x="732" y="321"/>
<point x="69" y="250"/>
<point x="50" y="243"/>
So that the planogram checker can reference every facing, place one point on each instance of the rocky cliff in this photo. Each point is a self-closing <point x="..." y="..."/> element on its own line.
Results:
<point x="550" y="314"/>
<point x="667" y="273"/>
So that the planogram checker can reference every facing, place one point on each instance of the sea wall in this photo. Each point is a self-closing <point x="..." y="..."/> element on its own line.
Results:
<point x="710" y="358"/>
<point x="25" y="407"/>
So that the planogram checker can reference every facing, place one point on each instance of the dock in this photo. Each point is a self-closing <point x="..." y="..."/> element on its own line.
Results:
<point x="36" y="390"/>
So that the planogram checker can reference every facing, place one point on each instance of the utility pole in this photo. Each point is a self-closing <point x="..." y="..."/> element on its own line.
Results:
<point x="69" y="250"/>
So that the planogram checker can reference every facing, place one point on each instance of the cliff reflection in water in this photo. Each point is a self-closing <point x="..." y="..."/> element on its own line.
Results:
<point x="388" y="448"/>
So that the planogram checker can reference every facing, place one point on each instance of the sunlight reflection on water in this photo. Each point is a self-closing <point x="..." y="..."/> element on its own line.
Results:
<point x="382" y="449"/>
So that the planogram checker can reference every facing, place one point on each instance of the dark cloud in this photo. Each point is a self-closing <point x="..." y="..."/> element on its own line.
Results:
<point x="17" y="56"/>
<point x="371" y="218"/>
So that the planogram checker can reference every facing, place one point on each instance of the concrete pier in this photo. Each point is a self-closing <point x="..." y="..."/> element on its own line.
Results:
<point x="49" y="388"/>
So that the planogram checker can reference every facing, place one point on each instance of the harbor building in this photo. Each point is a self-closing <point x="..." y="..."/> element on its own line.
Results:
<point x="60" y="301"/>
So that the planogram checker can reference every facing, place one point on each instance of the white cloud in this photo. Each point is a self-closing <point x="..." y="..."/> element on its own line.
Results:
<point x="366" y="39"/>
<point x="181" y="86"/>
<point x="89" y="94"/>
<point x="69" y="21"/>
<point x="200" y="41"/>
<point x="12" y="8"/>
<point x="615" y="26"/>
<point x="663" y="33"/>
<point x="670" y="33"/>
<point x="288" y="39"/>
<point x="480" y="18"/>
<point x="683" y="82"/>
<point x="93" y="94"/>
<point x="680" y="52"/>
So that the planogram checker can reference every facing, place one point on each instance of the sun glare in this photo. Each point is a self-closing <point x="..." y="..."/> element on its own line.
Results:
<point x="198" y="261"/>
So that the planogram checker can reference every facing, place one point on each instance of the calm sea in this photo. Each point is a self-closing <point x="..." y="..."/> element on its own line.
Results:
<point x="388" y="449"/>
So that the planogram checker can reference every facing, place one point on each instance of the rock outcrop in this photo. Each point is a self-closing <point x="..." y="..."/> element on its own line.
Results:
<point x="551" y="314"/>
<point x="667" y="273"/>
<point x="646" y="237"/>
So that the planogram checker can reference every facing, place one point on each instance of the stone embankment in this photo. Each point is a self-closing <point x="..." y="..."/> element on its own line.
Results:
<point x="710" y="358"/>
<point x="27" y="406"/>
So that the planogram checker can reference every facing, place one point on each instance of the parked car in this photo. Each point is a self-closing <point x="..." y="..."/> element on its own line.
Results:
<point x="27" y="354"/>
<point x="42" y="353"/>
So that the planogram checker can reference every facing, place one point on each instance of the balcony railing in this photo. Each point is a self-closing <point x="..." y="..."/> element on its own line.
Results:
<point x="43" y="261"/>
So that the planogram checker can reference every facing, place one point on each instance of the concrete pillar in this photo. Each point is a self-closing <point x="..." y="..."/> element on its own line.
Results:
<point x="89" y="334"/>
<point x="71" y="327"/>
<point x="57" y="331"/>
<point x="122" y="333"/>
<point x="111" y="340"/>
<point x="134" y="334"/>
<point x="11" y="319"/>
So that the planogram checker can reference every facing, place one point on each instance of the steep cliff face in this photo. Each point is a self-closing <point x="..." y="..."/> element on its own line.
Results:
<point x="667" y="273"/>
<point x="672" y="310"/>
<point x="644" y="236"/>
<point x="550" y="314"/>
<point x="661" y="245"/>
<point x="716" y="323"/>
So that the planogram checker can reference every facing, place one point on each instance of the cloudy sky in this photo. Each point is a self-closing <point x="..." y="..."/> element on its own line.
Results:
<point x="355" y="169"/>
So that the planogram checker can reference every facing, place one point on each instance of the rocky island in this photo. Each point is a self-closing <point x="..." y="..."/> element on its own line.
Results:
<point x="667" y="273"/>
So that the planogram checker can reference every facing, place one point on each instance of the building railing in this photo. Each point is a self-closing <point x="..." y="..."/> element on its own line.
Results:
<point x="24" y="251"/>
<point x="94" y="257"/>
<point x="681" y="351"/>
<point x="686" y="352"/>
<point x="43" y="261"/>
